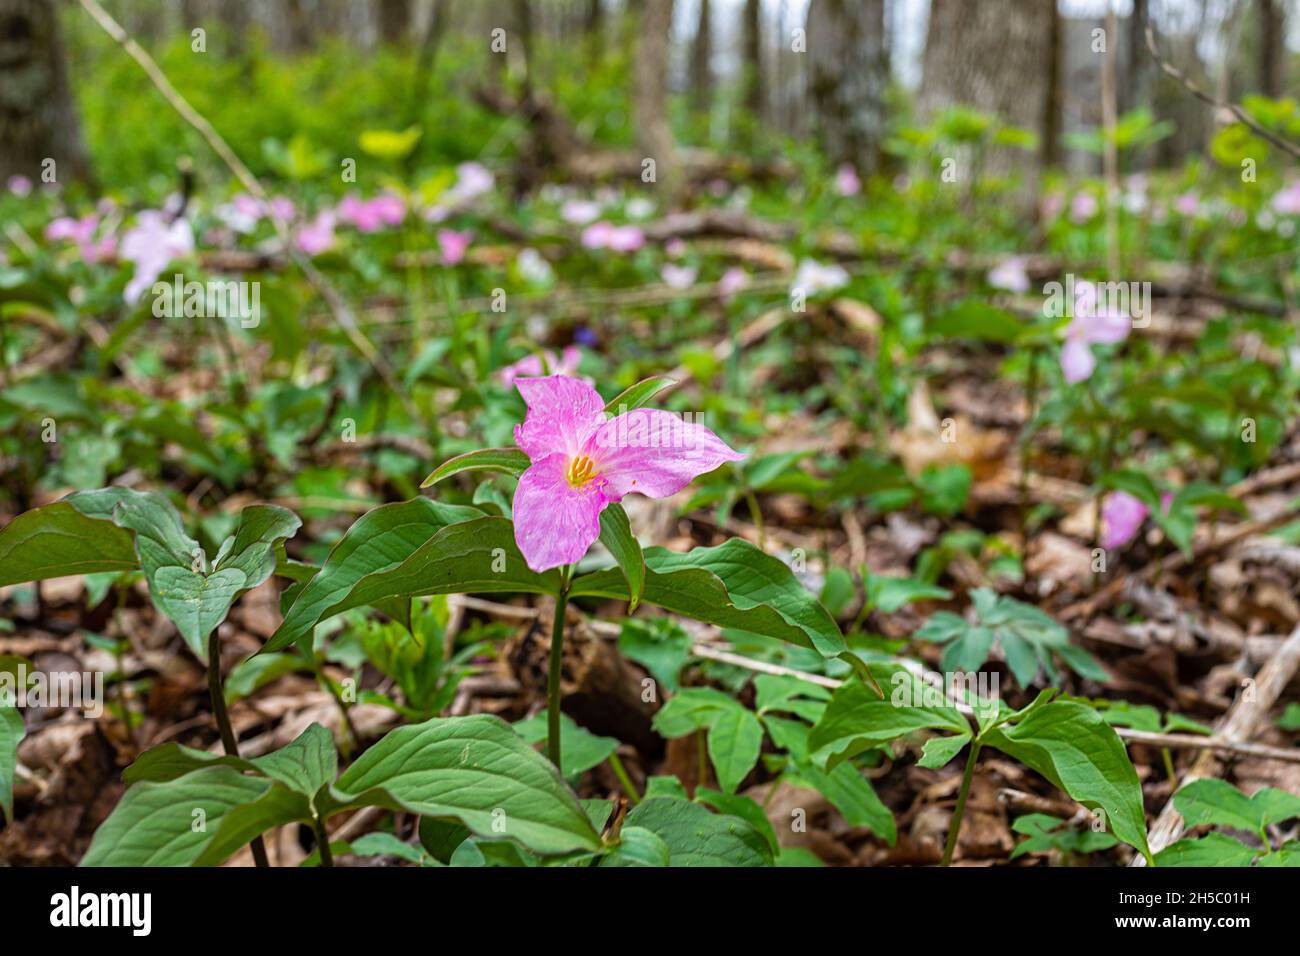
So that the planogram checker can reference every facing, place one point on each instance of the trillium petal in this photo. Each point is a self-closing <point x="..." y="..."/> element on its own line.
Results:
<point x="563" y="412"/>
<point x="1121" y="515"/>
<point x="555" y="523"/>
<point x="1076" y="360"/>
<point x="1109" y="326"/>
<point x="654" y="452"/>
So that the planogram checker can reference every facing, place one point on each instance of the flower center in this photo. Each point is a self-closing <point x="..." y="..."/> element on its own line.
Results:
<point x="580" y="471"/>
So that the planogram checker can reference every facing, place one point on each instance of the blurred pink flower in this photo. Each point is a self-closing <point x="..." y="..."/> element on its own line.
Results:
<point x="453" y="245"/>
<point x="605" y="235"/>
<point x="1083" y="207"/>
<point x="20" y="186"/>
<point x="150" y="245"/>
<point x="472" y="180"/>
<point x="847" y="182"/>
<point x="371" y="215"/>
<point x="811" y="277"/>
<point x="1052" y="206"/>
<point x="732" y="281"/>
<point x="579" y="212"/>
<point x="532" y="365"/>
<point x="1188" y="204"/>
<point x="1010" y="275"/>
<point x="1286" y="202"/>
<point x="74" y="230"/>
<point x="1089" y="324"/>
<point x="1121" y="518"/>
<point x="675" y="248"/>
<point x="317" y="236"/>
<point x="678" y="277"/>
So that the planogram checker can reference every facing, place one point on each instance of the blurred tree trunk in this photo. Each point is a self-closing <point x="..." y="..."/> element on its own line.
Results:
<point x="233" y="16"/>
<point x="439" y="17"/>
<point x="38" y="117"/>
<point x="1272" y="46"/>
<point x="523" y="16"/>
<point x="394" y="18"/>
<point x="849" y="60"/>
<point x="1049" y="151"/>
<point x="755" y="95"/>
<point x="701" y="60"/>
<point x="650" y="98"/>
<point x="993" y="56"/>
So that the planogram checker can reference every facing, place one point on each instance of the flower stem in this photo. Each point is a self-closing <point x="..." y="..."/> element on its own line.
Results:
<point x="228" y="741"/>
<point x="624" y="780"/>
<point x="323" y="842"/>
<point x="557" y="666"/>
<point x="955" y="826"/>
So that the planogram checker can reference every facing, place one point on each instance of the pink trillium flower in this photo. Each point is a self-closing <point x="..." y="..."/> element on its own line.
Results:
<point x="678" y="277"/>
<point x="530" y="366"/>
<point x="731" y="282"/>
<point x="150" y="245"/>
<point x="79" y="231"/>
<point x="371" y="215"/>
<point x="1083" y="207"/>
<point x="579" y="212"/>
<point x="847" y="182"/>
<point x="317" y="236"/>
<point x="811" y="277"/>
<point x="472" y="180"/>
<point x="1010" y="275"/>
<point x="453" y="245"/>
<point x="1287" y="201"/>
<point x="1089" y="325"/>
<point x="1122" y="515"/>
<point x="583" y="460"/>
<point x="1187" y="204"/>
<point x="1052" y="206"/>
<point x="20" y="186"/>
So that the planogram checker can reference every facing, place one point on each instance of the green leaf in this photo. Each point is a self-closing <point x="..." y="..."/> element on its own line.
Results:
<point x="275" y="807"/>
<point x="158" y="823"/>
<point x="1288" y="854"/>
<point x="1070" y="745"/>
<point x="306" y="764"/>
<point x="580" y="749"/>
<point x="387" y="844"/>
<point x="851" y="793"/>
<point x="659" y="644"/>
<point x="475" y="771"/>
<point x="510" y="461"/>
<point x="891" y="594"/>
<point x="58" y="540"/>
<point x="1213" y="849"/>
<point x="732" y="585"/>
<point x="378" y="541"/>
<point x="975" y="319"/>
<point x="11" y="733"/>
<point x="196" y="603"/>
<point x="1217" y="802"/>
<point x="616" y="535"/>
<point x="939" y="750"/>
<point x="857" y="719"/>
<point x="637" y="395"/>
<point x="696" y="837"/>
<point x="735" y="740"/>
<point x="638" y="846"/>
<point x="257" y="671"/>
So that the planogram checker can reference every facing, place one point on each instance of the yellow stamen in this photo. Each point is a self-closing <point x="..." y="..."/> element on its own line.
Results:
<point x="580" y="471"/>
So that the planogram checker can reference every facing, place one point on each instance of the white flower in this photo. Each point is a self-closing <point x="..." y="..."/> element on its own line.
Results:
<point x="812" y="277"/>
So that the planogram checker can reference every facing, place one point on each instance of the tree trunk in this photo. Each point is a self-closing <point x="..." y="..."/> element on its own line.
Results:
<point x="1049" y="152"/>
<point x="1272" y="46"/>
<point x="849" y="60"/>
<point x="38" y="118"/>
<point x="394" y="17"/>
<point x="701" y="60"/>
<point x="650" y="98"/>
<point x="992" y="56"/>
<point x="755" y="95"/>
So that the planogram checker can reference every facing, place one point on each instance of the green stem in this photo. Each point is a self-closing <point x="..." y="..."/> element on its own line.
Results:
<point x="955" y="827"/>
<point x="323" y="842"/>
<point x="624" y="780"/>
<point x="557" y="666"/>
<point x="228" y="741"/>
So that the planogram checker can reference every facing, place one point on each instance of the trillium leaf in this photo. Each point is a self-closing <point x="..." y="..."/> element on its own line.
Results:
<point x="616" y="535"/>
<point x="638" y="395"/>
<point x="305" y="765"/>
<point x="858" y="719"/>
<point x="1074" y="748"/>
<point x="274" y="807"/>
<point x="58" y="540"/>
<point x="938" y="751"/>
<point x="154" y="823"/>
<point x="735" y="740"/>
<point x="475" y="771"/>
<point x="378" y="541"/>
<point x="851" y="793"/>
<point x="696" y="837"/>
<point x="11" y="733"/>
<point x="638" y="846"/>
<point x="580" y="749"/>
<point x="195" y="603"/>
<point x="510" y="461"/>
<point x="732" y="585"/>
<point x="1213" y="849"/>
